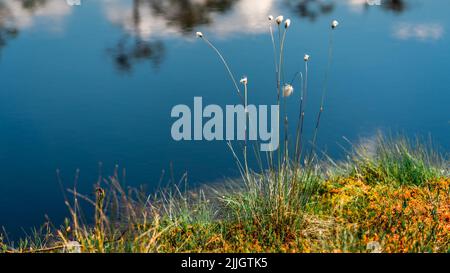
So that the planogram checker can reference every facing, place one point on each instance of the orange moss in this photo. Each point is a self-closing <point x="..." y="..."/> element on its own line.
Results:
<point x="402" y="219"/>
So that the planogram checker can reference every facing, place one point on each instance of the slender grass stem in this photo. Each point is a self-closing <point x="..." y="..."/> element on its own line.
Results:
<point x="279" y="79"/>
<point x="299" y="133"/>
<point x="279" y="93"/>
<point x="324" y="93"/>
<point x="305" y="94"/>
<point x="226" y="66"/>
<point x="276" y="79"/>
<point x="286" y="141"/>
<point x="274" y="48"/>
<point x="246" y="131"/>
<point x="280" y="66"/>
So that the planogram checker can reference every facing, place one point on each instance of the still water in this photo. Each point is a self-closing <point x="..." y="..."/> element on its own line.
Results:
<point x="80" y="85"/>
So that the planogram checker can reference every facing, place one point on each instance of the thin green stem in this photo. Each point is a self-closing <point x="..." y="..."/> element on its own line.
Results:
<point x="305" y="94"/>
<point x="324" y="93"/>
<point x="274" y="48"/>
<point x="299" y="134"/>
<point x="245" y="131"/>
<point x="225" y="64"/>
<point x="280" y="68"/>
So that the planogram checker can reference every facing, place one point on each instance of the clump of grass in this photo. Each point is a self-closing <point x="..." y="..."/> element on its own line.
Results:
<point x="389" y="160"/>
<point x="273" y="202"/>
<point x="274" y="199"/>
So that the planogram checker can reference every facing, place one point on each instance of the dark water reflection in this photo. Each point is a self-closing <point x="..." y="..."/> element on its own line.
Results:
<point x="184" y="16"/>
<point x="96" y="83"/>
<point x="311" y="9"/>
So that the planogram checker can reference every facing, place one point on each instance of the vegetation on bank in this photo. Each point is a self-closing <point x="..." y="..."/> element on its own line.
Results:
<point x="389" y="196"/>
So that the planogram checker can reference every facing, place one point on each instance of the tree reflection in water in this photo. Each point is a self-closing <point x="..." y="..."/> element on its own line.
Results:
<point x="16" y="15"/>
<point x="311" y="9"/>
<point x="6" y="33"/>
<point x="129" y="51"/>
<point x="132" y="48"/>
<point x="180" y="16"/>
<point x="185" y="15"/>
<point x="397" y="6"/>
<point x="8" y="30"/>
<point x="188" y="14"/>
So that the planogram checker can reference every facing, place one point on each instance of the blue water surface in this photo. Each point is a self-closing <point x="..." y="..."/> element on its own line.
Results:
<point x="91" y="87"/>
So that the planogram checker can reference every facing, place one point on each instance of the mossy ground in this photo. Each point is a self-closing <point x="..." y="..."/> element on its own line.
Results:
<point x="397" y="199"/>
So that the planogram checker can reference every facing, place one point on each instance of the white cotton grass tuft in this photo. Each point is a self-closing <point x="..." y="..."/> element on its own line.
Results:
<point x="306" y="57"/>
<point x="374" y="247"/>
<point x="270" y="17"/>
<point x="279" y="19"/>
<point x="244" y="80"/>
<point x="199" y="34"/>
<point x="287" y="23"/>
<point x="334" y="24"/>
<point x="287" y="90"/>
<point x="72" y="247"/>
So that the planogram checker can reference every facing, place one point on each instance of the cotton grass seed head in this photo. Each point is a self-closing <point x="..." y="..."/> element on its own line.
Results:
<point x="270" y="17"/>
<point x="244" y="80"/>
<point x="287" y="23"/>
<point x="306" y="57"/>
<point x="199" y="34"/>
<point x="334" y="24"/>
<point x="279" y="19"/>
<point x="287" y="90"/>
<point x="72" y="247"/>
